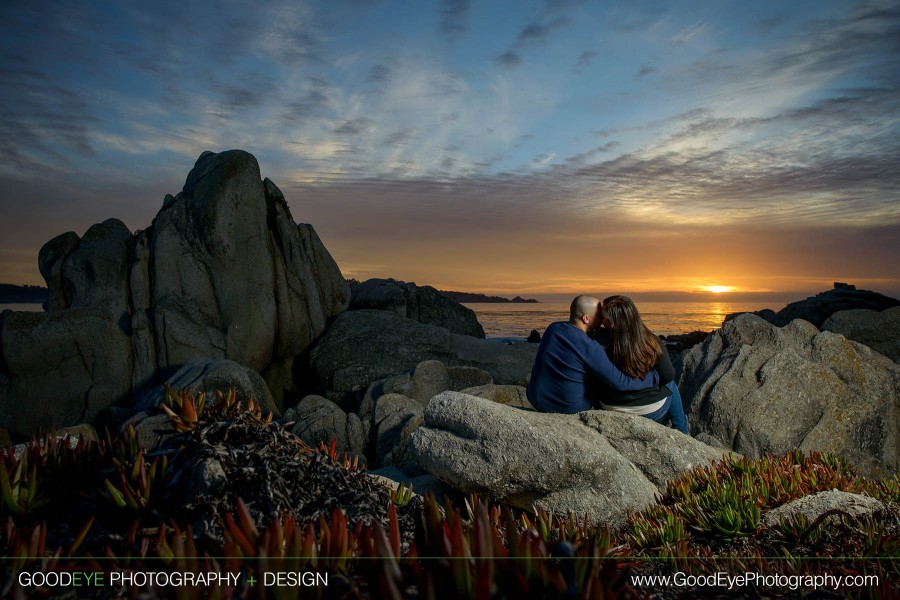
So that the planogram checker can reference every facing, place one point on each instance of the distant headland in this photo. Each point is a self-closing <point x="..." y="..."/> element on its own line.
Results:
<point x="29" y="294"/>
<point x="468" y="297"/>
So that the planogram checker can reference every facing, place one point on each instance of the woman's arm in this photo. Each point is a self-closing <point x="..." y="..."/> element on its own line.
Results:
<point x="603" y="368"/>
<point x="664" y="366"/>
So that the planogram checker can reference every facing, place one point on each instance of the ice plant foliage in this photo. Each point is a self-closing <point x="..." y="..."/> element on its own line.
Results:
<point x="57" y="497"/>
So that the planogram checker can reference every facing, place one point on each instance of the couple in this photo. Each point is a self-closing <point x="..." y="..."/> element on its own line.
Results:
<point x="621" y="367"/>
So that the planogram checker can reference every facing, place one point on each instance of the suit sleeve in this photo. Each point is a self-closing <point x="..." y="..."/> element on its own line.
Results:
<point x="600" y="366"/>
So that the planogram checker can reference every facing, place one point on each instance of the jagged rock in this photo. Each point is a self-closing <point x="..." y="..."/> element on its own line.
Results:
<point x="509" y="395"/>
<point x="95" y="272"/>
<point x="198" y="375"/>
<point x="82" y="430"/>
<point x="466" y="377"/>
<point x="211" y="376"/>
<point x="598" y="463"/>
<point x="421" y="484"/>
<point x="152" y="429"/>
<point x="757" y="388"/>
<point x="815" y="505"/>
<point x="205" y="477"/>
<point x="396" y="418"/>
<point x="431" y="377"/>
<point x="223" y="273"/>
<point x="50" y="262"/>
<point x="679" y="342"/>
<point x="816" y="309"/>
<point x="420" y="303"/>
<point x="880" y="331"/>
<point x="318" y="419"/>
<point x="393" y="384"/>
<point x="363" y="346"/>
<point x="64" y="368"/>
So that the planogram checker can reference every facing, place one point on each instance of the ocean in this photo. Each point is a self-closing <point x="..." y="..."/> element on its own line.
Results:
<point x="503" y="320"/>
<point x="22" y="306"/>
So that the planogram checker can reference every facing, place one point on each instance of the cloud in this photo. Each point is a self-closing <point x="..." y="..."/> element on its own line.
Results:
<point x="249" y="94"/>
<point x="379" y="74"/>
<point x="42" y="121"/>
<point x="534" y="33"/>
<point x="509" y="60"/>
<point x="402" y="137"/>
<point x="538" y="32"/>
<point x="689" y="34"/>
<point x="592" y="154"/>
<point x="585" y="59"/>
<point x="645" y="70"/>
<point x="454" y="18"/>
<point x="311" y="103"/>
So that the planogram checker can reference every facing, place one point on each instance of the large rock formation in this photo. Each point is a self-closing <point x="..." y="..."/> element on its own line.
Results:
<point x="317" y="419"/>
<point x="880" y="331"/>
<point x="423" y="304"/>
<point x="757" y="388"/>
<point x="599" y="463"/>
<point x="363" y="346"/>
<point x="223" y="273"/>
<point x="816" y="309"/>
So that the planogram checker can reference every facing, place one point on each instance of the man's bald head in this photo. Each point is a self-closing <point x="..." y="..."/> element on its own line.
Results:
<point x="584" y="306"/>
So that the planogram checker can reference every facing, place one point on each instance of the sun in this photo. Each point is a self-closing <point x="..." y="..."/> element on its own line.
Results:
<point x="718" y="289"/>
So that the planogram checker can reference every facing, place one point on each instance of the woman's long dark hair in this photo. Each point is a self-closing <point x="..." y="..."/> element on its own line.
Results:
<point x="635" y="350"/>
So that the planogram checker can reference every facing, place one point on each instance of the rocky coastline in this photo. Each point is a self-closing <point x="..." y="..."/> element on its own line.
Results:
<point x="225" y="291"/>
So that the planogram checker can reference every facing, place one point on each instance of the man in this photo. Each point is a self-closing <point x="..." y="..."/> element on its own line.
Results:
<point x="567" y="357"/>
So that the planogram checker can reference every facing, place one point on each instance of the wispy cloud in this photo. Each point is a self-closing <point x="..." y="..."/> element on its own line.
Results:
<point x="584" y="60"/>
<point x="509" y="59"/>
<point x="536" y="32"/>
<point x="454" y="16"/>
<point x="644" y="71"/>
<point x="689" y="34"/>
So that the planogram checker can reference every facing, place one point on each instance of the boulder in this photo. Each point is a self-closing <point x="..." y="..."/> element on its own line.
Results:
<point x="816" y="309"/>
<point x="211" y="376"/>
<point x="509" y="395"/>
<point x="880" y="331"/>
<point x="815" y="505"/>
<point x="63" y="368"/>
<point x="199" y="375"/>
<point x="430" y="378"/>
<point x="317" y="419"/>
<point x="396" y="418"/>
<point x="223" y="273"/>
<point x="757" y="388"/>
<point x="393" y="384"/>
<point x="420" y="303"/>
<point x="602" y="464"/>
<point x="466" y="377"/>
<point x="420" y="484"/>
<point x="363" y="346"/>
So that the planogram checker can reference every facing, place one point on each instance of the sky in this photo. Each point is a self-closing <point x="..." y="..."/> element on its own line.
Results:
<point x="530" y="148"/>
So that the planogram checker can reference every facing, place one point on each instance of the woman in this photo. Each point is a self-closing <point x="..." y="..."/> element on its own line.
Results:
<point x="635" y="350"/>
